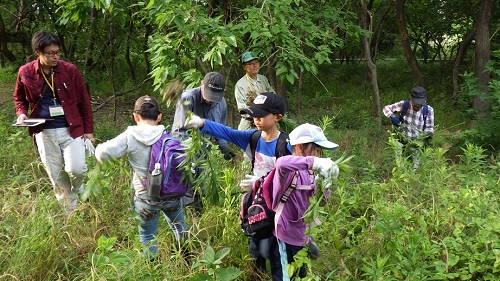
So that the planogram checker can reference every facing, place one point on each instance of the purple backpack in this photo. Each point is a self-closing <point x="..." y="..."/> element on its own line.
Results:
<point x="169" y="152"/>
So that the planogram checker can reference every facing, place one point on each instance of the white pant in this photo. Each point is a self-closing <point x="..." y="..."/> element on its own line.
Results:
<point x="64" y="161"/>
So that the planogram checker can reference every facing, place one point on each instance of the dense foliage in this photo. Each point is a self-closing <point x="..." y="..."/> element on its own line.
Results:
<point x="384" y="221"/>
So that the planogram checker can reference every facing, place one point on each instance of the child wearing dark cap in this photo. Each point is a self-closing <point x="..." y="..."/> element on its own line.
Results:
<point x="136" y="143"/>
<point x="267" y="110"/>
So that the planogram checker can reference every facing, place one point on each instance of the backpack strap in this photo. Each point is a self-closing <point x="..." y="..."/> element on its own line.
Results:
<point x="406" y="105"/>
<point x="281" y="145"/>
<point x="292" y="184"/>
<point x="163" y="143"/>
<point x="425" y="111"/>
<point x="254" y="138"/>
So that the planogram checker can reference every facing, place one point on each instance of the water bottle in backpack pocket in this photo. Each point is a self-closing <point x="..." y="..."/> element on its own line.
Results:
<point x="154" y="181"/>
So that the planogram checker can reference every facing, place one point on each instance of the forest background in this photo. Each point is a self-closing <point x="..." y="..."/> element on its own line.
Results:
<point x="336" y="63"/>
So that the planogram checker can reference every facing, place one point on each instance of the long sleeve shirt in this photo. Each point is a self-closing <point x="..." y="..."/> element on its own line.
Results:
<point x="291" y="227"/>
<point x="413" y="121"/>
<point x="69" y="88"/>
<point x="136" y="143"/>
<point x="192" y="100"/>
<point x="265" y="151"/>
<point x="246" y="89"/>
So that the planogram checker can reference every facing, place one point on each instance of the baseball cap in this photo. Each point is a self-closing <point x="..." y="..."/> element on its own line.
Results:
<point x="307" y="133"/>
<point x="213" y="86"/>
<point x="264" y="104"/>
<point x="146" y="100"/>
<point x="247" y="56"/>
<point x="418" y="95"/>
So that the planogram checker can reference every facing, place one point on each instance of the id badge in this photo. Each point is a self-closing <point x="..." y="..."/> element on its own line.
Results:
<point x="56" y="110"/>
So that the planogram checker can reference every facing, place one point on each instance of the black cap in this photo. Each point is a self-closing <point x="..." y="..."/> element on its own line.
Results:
<point x="214" y="84"/>
<point x="418" y="95"/>
<point x="139" y="104"/>
<point x="264" y="104"/>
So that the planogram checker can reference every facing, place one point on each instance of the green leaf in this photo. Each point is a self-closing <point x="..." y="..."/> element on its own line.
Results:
<point x="222" y="253"/>
<point x="200" y="277"/>
<point x="227" y="274"/>
<point x="209" y="254"/>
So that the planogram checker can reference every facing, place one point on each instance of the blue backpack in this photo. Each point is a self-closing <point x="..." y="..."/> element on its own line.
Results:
<point x="406" y="105"/>
<point x="164" y="151"/>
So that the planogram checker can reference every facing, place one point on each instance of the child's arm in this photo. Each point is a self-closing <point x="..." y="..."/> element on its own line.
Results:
<point x="239" y="138"/>
<point x="114" y="148"/>
<point x="290" y="163"/>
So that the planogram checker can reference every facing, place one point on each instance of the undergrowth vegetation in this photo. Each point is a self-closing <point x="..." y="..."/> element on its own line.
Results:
<point x="384" y="221"/>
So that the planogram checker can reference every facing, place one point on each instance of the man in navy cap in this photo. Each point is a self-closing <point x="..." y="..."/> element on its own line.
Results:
<point x="206" y="101"/>
<point x="415" y="120"/>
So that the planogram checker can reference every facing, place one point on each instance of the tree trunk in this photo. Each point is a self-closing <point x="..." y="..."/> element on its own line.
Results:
<point x="127" y="50"/>
<point x="405" y="43"/>
<point x="462" y="49"/>
<point x="88" y="62"/>
<point x="3" y="42"/>
<point x="366" y="23"/>
<point x="299" y="93"/>
<point x="149" y="31"/>
<point x="482" y="55"/>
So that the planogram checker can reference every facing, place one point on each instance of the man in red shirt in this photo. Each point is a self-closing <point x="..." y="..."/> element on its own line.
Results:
<point x="54" y="90"/>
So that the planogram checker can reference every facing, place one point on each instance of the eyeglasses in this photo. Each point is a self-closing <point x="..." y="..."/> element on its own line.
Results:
<point x="57" y="53"/>
<point x="252" y="63"/>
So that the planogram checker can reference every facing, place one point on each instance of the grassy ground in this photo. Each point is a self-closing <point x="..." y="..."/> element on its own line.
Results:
<point x="384" y="222"/>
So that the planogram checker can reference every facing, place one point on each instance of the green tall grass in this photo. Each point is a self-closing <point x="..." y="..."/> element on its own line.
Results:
<point x="383" y="222"/>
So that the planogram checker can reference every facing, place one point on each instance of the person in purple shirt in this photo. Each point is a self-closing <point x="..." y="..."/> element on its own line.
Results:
<point x="305" y="164"/>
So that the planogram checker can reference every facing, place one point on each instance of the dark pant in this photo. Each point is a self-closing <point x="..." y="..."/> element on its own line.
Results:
<point x="259" y="251"/>
<point x="290" y="251"/>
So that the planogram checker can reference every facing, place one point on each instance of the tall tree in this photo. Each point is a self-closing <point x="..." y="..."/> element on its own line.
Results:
<point x="405" y="43"/>
<point x="482" y="55"/>
<point x="367" y="23"/>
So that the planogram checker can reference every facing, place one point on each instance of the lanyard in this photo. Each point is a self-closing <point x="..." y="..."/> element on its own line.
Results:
<point x="51" y="85"/>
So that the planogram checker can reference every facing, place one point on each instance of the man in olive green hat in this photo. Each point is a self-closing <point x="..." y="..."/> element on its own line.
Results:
<point x="249" y="86"/>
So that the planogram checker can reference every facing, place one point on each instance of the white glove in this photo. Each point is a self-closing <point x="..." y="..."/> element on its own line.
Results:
<point x="247" y="183"/>
<point x="21" y="118"/>
<point x="89" y="148"/>
<point x="326" y="167"/>
<point x="194" y="121"/>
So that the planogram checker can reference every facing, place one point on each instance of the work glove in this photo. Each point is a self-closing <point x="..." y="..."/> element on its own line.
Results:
<point x="229" y="155"/>
<point x="89" y="148"/>
<point x="247" y="183"/>
<point x="395" y="120"/>
<point x="21" y="118"/>
<point x="194" y="122"/>
<point x="326" y="168"/>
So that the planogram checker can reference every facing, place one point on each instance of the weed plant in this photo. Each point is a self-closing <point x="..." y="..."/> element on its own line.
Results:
<point x="383" y="221"/>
